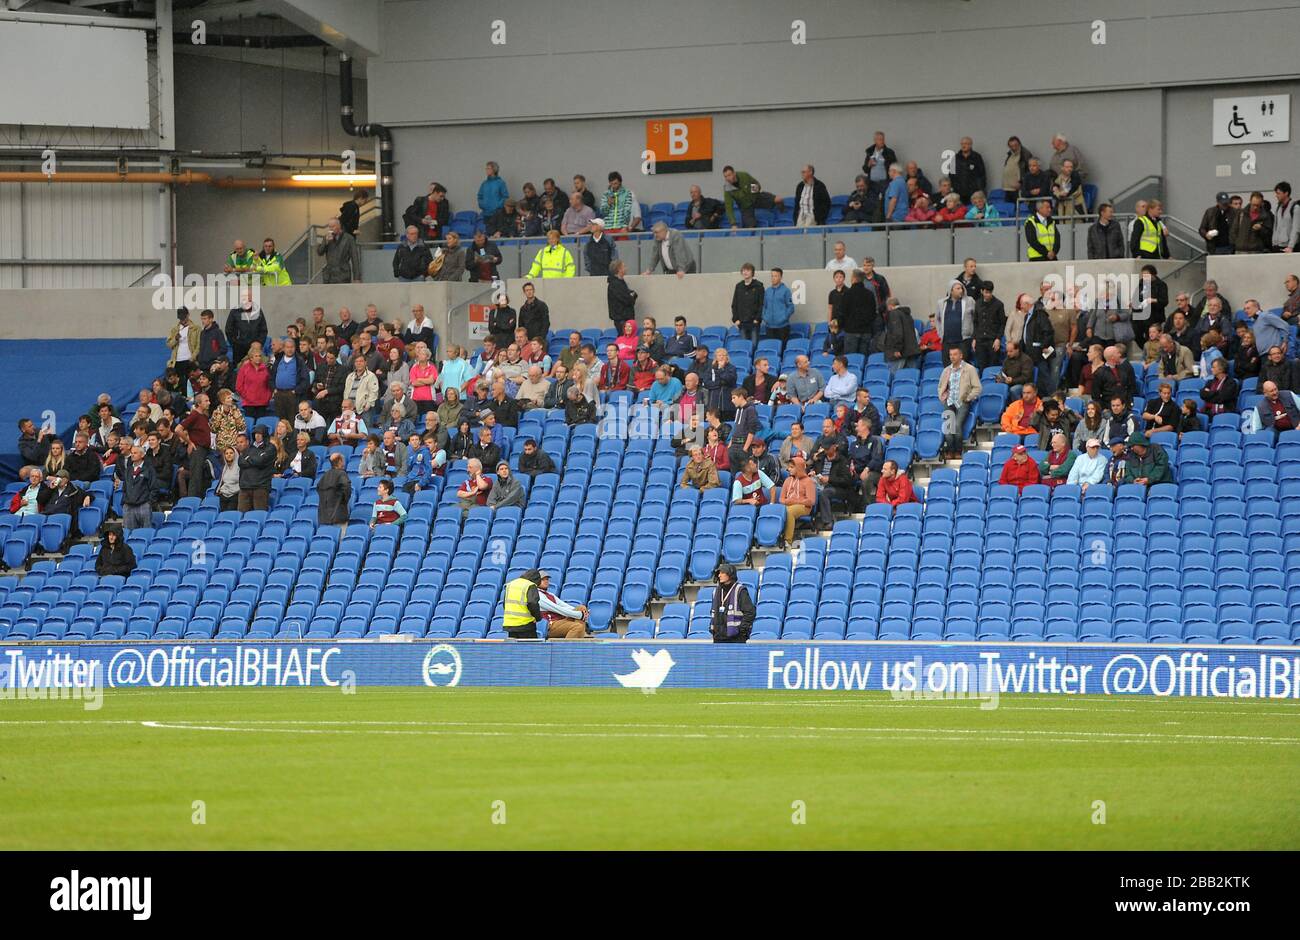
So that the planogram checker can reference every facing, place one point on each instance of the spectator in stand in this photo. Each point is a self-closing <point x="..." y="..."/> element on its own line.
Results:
<point x="798" y="496"/>
<point x="894" y="487"/>
<point x="1291" y="306"/>
<point x="1270" y="329"/>
<point x="1019" y="471"/>
<point x="580" y="187"/>
<point x="532" y="391"/>
<point x="598" y="252"/>
<point x="245" y="327"/>
<point x="549" y="215"/>
<point x="34" y="445"/>
<point x="1180" y="331"/>
<point x="644" y="371"/>
<point x="797" y="444"/>
<point x="812" y="201"/>
<point x="1063" y="150"/>
<point x="913" y="172"/>
<point x="1112" y="324"/>
<point x="981" y="210"/>
<point x="1018" y="417"/>
<point x="751" y="486"/>
<point x="951" y="211"/>
<point x="334" y="490"/>
<point x="899" y="342"/>
<point x="577" y="217"/>
<point x="619" y="206"/>
<point x="212" y="342"/>
<point x="651" y="340"/>
<point x="227" y="481"/>
<point x="670" y="252"/>
<point x="350" y="212"/>
<point x="578" y="409"/>
<point x="620" y="298"/>
<point x="448" y="262"/>
<point x="1147" y="463"/>
<point x="342" y="257"/>
<point x="1161" y="413"/>
<point x="1246" y="360"/>
<point x="388" y="509"/>
<point x="1119" y="424"/>
<point x="778" y="307"/>
<point x="361" y="387"/>
<point x="1211" y="288"/>
<point x="423" y="379"/>
<point x="896" y="199"/>
<point x="1053" y="418"/>
<point x="82" y="463"/>
<point x="959" y="388"/>
<point x="1221" y="390"/>
<point x="968" y="173"/>
<point x="482" y="257"/>
<point x="1090" y="426"/>
<point x="805" y="385"/>
<point x="535" y="461"/>
<point x="1216" y="226"/>
<point x="183" y="341"/>
<point x="1275" y="368"/>
<point x="862" y="203"/>
<point x="747" y="303"/>
<point x="534" y="314"/>
<point x="745" y="430"/>
<point x="1088" y="467"/>
<point x="506" y="489"/>
<point x="1286" y="220"/>
<point x="1055" y="468"/>
<point x="703" y="212"/>
<point x="842" y="387"/>
<point x="1116" y="377"/>
<point x="1105" y="237"/>
<point x="227" y="421"/>
<point x="627" y="341"/>
<point x="506" y="222"/>
<point x="1014" y="167"/>
<point x="742" y="192"/>
<point x="1035" y="183"/>
<point x="876" y="164"/>
<point x="1252" y="226"/>
<point x="558" y="391"/>
<point x="954" y="315"/>
<point x="257" y="464"/>
<point x="989" y="321"/>
<point x="429" y="215"/>
<point x="718" y="381"/>
<point x="1278" y="410"/>
<point x="134" y="477"/>
<point x="920" y="211"/>
<point x="199" y="433"/>
<point x="1067" y="189"/>
<point x="700" y="472"/>
<point x="1210" y="350"/>
<point x="492" y="192"/>
<point x="419" y="329"/>
<point x="115" y="555"/>
<point x="412" y="258"/>
<point x="840" y="261"/>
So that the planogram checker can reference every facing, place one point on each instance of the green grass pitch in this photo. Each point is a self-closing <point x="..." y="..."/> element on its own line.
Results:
<point x="618" y="769"/>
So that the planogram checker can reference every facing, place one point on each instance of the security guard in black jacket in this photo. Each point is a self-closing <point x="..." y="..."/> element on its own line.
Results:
<point x="733" y="609"/>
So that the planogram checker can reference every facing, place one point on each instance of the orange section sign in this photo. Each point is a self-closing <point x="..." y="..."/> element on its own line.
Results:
<point x="680" y="144"/>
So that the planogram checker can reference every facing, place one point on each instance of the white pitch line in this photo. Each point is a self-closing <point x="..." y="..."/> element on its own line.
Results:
<point x="564" y="729"/>
<point x="958" y="703"/>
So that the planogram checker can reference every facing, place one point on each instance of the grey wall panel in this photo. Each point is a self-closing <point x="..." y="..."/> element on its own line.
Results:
<point x="920" y="246"/>
<point x="727" y="254"/>
<point x="681" y="55"/>
<point x="985" y="244"/>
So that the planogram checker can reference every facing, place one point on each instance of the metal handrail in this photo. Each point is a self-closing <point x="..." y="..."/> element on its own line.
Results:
<point x="463" y="307"/>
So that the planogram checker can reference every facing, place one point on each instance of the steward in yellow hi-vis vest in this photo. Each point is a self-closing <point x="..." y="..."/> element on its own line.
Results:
<point x="1040" y="234"/>
<point x="270" y="264"/>
<point x="554" y="260"/>
<point x="523" y="606"/>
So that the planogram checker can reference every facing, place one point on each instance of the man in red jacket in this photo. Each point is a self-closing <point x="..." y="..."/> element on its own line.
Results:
<point x="614" y="374"/>
<point x="894" y="487"/>
<point x="1019" y="471"/>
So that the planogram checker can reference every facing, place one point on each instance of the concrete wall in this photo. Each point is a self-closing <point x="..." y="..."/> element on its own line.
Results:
<point x="561" y="59"/>
<point x="1242" y="277"/>
<point x="227" y="105"/>
<point x="705" y="299"/>
<point x="131" y="313"/>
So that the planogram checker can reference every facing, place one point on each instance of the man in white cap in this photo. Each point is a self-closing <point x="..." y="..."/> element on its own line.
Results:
<point x="598" y="252"/>
<point x="1089" y="467"/>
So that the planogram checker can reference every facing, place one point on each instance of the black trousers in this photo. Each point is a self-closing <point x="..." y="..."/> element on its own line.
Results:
<point x="985" y="355"/>
<point x="523" y="633"/>
<point x="779" y="332"/>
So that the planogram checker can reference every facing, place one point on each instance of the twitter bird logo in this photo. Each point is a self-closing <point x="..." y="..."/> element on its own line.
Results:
<point x="651" y="671"/>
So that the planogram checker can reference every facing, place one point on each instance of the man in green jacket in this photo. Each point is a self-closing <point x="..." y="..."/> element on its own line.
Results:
<point x="241" y="259"/>
<point x="741" y="189"/>
<point x="1148" y="464"/>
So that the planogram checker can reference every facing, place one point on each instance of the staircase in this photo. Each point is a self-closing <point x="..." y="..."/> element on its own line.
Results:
<point x="921" y="471"/>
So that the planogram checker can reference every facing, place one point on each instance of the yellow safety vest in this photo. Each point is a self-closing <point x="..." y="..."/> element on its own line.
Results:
<point x="1149" y="243"/>
<point x="516" y="612"/>
<point x="272" y="270"/>
<point x="553" y="262"/>
<point x="1046" y="232"/>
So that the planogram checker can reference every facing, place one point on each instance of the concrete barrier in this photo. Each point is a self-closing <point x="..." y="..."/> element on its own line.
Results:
<point x="1242" y="277"/>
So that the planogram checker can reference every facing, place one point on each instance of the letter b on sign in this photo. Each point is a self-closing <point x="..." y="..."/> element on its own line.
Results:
<point x="677" y="143"/>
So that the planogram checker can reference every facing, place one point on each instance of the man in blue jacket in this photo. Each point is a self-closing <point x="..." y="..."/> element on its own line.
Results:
<point x="290" y="379"/>
<point x="778" y="307"/>
<point x="492" y="192"/>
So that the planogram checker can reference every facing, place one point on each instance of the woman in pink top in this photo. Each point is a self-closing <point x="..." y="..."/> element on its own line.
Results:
<point x="424" y="375"/>
<point x="628" y="341"/>
<point x="253" y="383"/>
